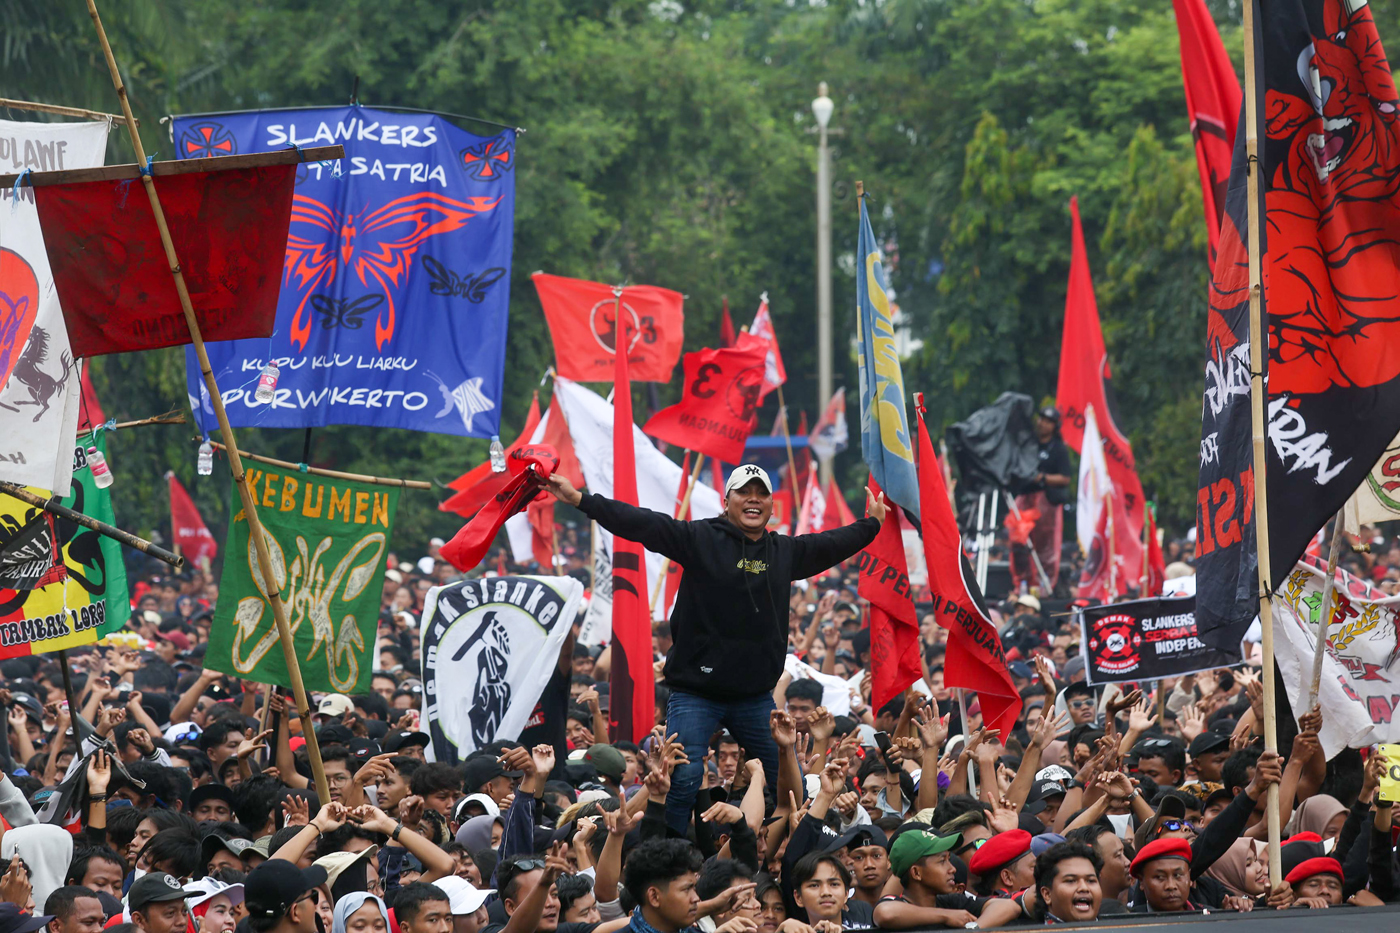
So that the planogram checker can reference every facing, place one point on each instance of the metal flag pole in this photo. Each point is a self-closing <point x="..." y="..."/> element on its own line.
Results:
<point x="250" y="509"/>
<point x="1257" y="325"/>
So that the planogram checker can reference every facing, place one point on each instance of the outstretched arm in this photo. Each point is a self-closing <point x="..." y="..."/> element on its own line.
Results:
<point x="815" y="553"/>
<point x="653" y="530"/>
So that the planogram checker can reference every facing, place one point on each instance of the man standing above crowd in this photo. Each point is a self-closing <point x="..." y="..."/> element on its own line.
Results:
<point x="729" y="625"/>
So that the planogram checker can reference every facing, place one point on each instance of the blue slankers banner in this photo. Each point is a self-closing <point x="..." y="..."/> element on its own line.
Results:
<point x="396" y="285"/>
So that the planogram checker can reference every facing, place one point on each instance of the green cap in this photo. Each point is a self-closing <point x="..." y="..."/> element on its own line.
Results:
<point x="915" y="844"/>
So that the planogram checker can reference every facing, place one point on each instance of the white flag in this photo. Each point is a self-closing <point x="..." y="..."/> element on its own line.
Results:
<point x="490" y="646"/>
<point x="597" y="621"/>
<point x="1360" y="688"/>
<point x="590" y="418"/>
<point x="1094" y="484"/>
<point x="1377" y="499"/>
<point x="41" y="397"/>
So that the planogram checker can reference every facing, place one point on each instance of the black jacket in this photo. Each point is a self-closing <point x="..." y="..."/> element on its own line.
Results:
<point x="730" y="625"/>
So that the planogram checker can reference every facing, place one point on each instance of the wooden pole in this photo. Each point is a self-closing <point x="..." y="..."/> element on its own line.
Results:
<point x="170" y="417"/>
<point x="1324" y="619"/>
<point x="1146" y="525"/>
<point x="332" y="474"/>
<point x="240" y="478"/>
<point x="554" y="549"/>
<point x="1257" y="325"/>
<point x="61" y="111"/>
<point x="967" y="734"/>
<point x="680" y="510"/>
<point x="16" y="491"/>
<point x="792" y="464"/>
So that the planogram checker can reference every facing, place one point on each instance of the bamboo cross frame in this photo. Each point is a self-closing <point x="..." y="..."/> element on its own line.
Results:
<point x="255" y="526"/>
<point x="36" y="107"/>
<point x="1257" y="323"/>
<point x="329" y="474"/>
<point x="16" y="491"/>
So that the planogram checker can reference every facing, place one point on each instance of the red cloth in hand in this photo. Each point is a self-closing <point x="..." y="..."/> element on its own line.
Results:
<point x="529" y="467"/>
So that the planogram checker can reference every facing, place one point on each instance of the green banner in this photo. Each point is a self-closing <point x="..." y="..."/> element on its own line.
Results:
<point x="61" y="585"/>
<point x="327" y="538"/>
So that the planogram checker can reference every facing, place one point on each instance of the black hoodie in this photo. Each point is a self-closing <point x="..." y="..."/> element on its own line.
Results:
<point x="730" y="625"/>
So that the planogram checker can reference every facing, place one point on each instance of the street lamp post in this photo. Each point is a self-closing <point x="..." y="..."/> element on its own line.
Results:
<point x="821" y="109"/>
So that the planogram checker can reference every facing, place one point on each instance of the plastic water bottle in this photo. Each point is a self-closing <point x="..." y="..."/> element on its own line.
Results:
<point x="267" y="383"/>
<point x="498" y="455"/>
<point x="101" y="473"/>
<point x="206" y="458"/>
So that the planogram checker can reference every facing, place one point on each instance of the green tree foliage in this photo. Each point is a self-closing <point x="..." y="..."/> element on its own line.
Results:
<point x="670" y="142"/>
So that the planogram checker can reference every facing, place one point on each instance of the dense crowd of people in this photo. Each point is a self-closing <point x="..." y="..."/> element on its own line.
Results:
<point x="181" y="799"/>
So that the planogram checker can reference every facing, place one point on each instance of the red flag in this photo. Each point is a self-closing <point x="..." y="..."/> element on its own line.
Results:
<point x="774" y="374"/>
<point x="894" y="626"/>
<point x="781" y="520"/>
<point x="1043" y="525"/>
<point x="582" y="324"/>
<point x="1213" y="105"/>
<point x="540" y="514"/>
<point x="187" y="528"/>
<point x="673" y="569"/>
<point x="117" y="292"/>
<point x="479" y="484"/>
<point x="1085" y="380"/>
<point x="719" y="403"/>
<point x="975" y="659"/>
<point x="632" y="683"/>
<point x="814" y="510"/>
<point x="1156" y="563"/>
<point x="528" y="469"/>
<point x="838" y="513"/>
<point x="726" y="327"/>
<point x="91" y="410"/>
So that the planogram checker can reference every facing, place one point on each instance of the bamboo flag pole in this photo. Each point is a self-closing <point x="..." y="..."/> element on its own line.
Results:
<point x="331" y="474"/>
<point x="16" y="491"/>
<point x="680" y="510"/>
<point x="1257" y="324"/>
<point x="37" y="107"/>
<point x="1146" y="526"/>
<point x="250" y="508"/>
<point x="1324" y="618"/>
<point x="792" y="464"/>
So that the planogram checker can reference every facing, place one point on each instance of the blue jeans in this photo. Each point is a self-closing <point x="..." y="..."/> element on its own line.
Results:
<point x="695" y="719"/>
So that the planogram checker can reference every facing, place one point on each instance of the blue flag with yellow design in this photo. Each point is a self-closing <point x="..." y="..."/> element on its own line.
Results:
<point x="884" y="424"/>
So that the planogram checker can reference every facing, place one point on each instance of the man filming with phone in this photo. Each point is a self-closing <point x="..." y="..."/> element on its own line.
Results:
<point x="730" y="624"/>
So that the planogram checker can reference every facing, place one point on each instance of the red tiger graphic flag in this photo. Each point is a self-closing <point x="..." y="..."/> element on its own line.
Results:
<point x="1329" y="132"/>
<point x="975" y="659"/>
<point x="631" y="681"/>
<point x="1213" y="105"/>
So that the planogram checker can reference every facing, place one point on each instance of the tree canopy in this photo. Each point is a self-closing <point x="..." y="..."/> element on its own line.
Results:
<point x="671" y="143"/>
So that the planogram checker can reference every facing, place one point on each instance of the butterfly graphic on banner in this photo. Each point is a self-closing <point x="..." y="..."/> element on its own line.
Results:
<point x="344" y="312"/>
<point x="471" y="287"/>
<point x="378" y="246"/>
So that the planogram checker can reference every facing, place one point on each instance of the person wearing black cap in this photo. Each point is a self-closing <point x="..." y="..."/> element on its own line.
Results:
<point x="484" y="775"/>
<point x="406" y="742"/>
<point x="730" y="622"/>
<point x="1054" y="475"/>
<point x="211" y="802"/>
<point x="13" y="920"/>
<point x="868" y="851"/>
<point x="1208" y="752"/>
<point x="157" y="903"/>
<point x="281" y="898"/>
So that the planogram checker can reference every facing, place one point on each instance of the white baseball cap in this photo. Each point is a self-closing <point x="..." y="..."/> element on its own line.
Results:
<point x="463" y="897"/>
<point x="746" y="473"/>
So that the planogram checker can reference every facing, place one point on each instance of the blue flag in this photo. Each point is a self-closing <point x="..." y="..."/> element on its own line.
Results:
<point x="885" y="441"/>
<point x="396" y="284"/>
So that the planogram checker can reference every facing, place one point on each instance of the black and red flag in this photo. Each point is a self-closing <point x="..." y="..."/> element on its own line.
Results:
<point x="1213" y="104"/>
<point x="1330" y="190"/>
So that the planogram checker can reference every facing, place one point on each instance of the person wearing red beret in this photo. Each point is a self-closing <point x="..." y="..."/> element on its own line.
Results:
<point x="1163" y="871"/>
<point x="1314" y="874"/>
<point x="1004" y="865"/>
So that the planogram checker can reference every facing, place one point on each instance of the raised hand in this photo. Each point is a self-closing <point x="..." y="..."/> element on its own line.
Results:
<point x="833" y="777"/>
<point x="1192" y="720"/>
<point x="739" y="924"/>
<point x="1047" y="728"/>
<point x="410" y="812"/>
<point x="619" y="822"/>
<point x="821" y="724"/>
<point x="725" y="814"/>
<point x="556" y="863"/>
<point x="296" y="811"/>
<point x="14" y="884"/>
<point x="1123" y="701"/>
<point x="99" y="772"/>
<point x="519" y="759"/>
<point x="1266" y="771"/>
<point x="1115" y="784"/>
<point x="875" y="505"/>
<point x="543" y="756"/>
<point x="1371" y="777"/>
<point x="373" y="819"/>
<point x="141" y="739"/>
<point x="1141" y="717"/>
<point x="259" y="743"/>
<point x="331" y="817"/>
<point x="783" y="728"/>
<point x="1311" y="721"/>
